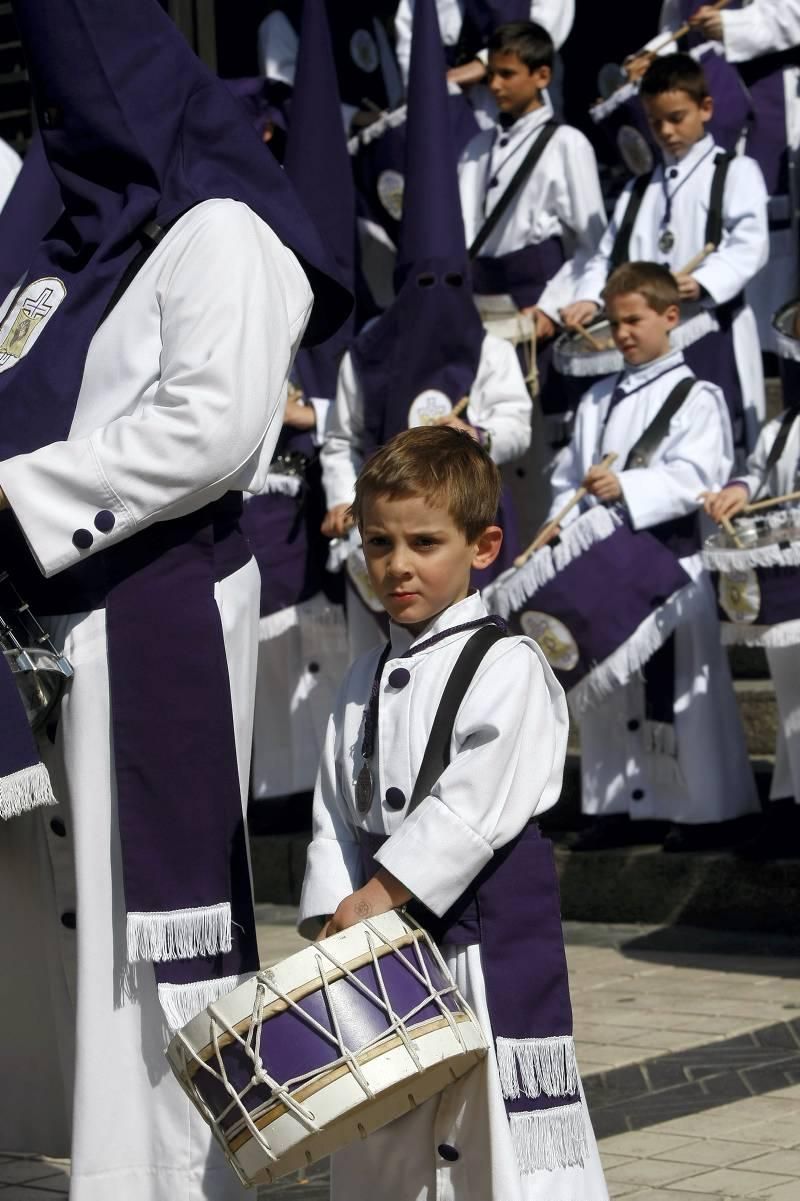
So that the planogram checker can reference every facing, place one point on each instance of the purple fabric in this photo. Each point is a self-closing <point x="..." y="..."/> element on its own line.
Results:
<point x="767" y="139"/>
<point x="486" y="15"/>
<point x="357" y="80"/>
<point x="713" y="358"/>
<point x="264" y="101"/>
<point x="31" y="209"/>
<point x="17" y="747"/>
<point x="604" y="595"/>
<point x="523" y="273"/>
<point x="318" y="164"/>
<point x="790" y="378"/>
<point x="780" y="595"/>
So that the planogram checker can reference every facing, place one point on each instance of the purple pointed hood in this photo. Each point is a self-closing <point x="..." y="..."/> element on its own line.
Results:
<point x="32" y="208"/>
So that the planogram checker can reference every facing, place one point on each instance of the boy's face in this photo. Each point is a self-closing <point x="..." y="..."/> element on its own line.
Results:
<point x="515" y="88"/>
<point x="419" y="561"/>
<point x="678" y="122"/>
<point x="640" y="333"/>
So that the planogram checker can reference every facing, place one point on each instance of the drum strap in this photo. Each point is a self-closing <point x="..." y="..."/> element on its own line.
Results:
<point x="714" y="222"/>
<point x="526" y="168"/>
<point x="641" y="454"/>
<point x="437" y="752"/>
<point x="779" y="445"/>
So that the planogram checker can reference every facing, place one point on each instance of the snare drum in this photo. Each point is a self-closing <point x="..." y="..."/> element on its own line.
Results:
<point x="758" y="584"/>
<point x="786" y="324"/>
<point x="326" y="1047"/>
<point x="599" y="603"/>
<point x="576" y="358"/>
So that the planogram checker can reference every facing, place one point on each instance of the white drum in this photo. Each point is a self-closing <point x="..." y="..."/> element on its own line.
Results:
<point x="327" y="1046"/>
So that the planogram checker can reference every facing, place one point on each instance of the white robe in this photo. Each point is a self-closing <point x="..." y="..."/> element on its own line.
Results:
<point x="766" y="27"/>
<point x="711" y="778"/>
<point x="10" y="167"/>
<point x="561" y="198"/>
<point x="726" y="273"/>
<point x="509" y="742"/>
<point x="178" y="405"/>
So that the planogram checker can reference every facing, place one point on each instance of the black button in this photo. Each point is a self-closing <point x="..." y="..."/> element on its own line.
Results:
<point x="68" y="920"/>
<point x="492" y="183"/>
<point x="395" y="798"/>
<point x="638" y="794"/>
<point x="313" y="668"/>
<point x="634" y="724"/>
<point x="105" y="521"/>
<point x="447" y="1152"/>
<point x="58" y="827"/>
<point x="399" y="677"/>
<point x="673" y="172"/>
<point x="82" y="539"/>
<point x="502" y="141"/>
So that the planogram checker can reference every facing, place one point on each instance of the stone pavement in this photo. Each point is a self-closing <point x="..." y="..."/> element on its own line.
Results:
<point x="689" y="1046"/>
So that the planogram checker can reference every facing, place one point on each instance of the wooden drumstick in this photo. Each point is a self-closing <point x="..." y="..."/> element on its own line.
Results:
<point x="588" y="336"/>
<point x="773" y="500"/>
<point x="695" y="262"/>
<point x="456" y="411"/>
<point x="547" y="530"/>
<point x="727" y="526"/>
<point x="674" y="36"/>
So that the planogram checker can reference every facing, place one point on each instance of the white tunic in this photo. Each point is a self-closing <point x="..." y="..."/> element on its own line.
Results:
<point x="726" y="273"/>
<point x="711" y="778"/>
<point x="499" y="402"/>
<point x="561" y="198"/>
<point x="507" y="761"/>
<point x="10" y="167"/>
<point x="179" y="403"/>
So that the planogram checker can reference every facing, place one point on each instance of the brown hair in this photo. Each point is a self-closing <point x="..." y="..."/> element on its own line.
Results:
<point x="675" y="73"/>
<point x="441" y="464"/>
<point x="652" y="281"/>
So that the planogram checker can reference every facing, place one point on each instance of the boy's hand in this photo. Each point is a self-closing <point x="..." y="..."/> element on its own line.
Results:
<point x="688" y="287"/>
<point x="636" y="66"/>
<point x="298" y="415"/>
<point x="579" y="313"/>
<point x="456" y="423"/>
<point x="709" y="21"/>
<point x="545" y="327"/>
<point x="721" y="506"/>
<point x="467" y="74"/>
<point x="380" y="894"/>
<point x="603" y="484"/>
<point x="337" y="522"/>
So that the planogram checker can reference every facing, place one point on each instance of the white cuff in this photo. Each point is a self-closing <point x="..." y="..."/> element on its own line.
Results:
<point x="333" y="872"/>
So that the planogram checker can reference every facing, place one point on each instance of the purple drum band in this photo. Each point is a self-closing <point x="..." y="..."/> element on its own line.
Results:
<point x="757" y="584"/>
<point x="600" y="603"/>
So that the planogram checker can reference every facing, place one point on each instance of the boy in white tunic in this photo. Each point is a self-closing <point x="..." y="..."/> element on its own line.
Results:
<point x="697" y="197"/>
<point x="633" y="766"/>
<point x="425" y="507"/>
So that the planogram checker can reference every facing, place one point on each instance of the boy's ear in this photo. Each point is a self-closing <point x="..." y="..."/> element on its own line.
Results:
<point x="543" y="77"/>
<point x="706" y="109"/>
<point x="487" y="547"/>
<point x="673" y="315"/>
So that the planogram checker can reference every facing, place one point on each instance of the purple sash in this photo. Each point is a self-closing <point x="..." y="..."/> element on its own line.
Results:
<point x="523" y="273"/>
<point x="767" y="139"/>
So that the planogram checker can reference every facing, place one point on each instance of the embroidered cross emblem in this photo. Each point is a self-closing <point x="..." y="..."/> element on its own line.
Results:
<point x="32" y="312"/>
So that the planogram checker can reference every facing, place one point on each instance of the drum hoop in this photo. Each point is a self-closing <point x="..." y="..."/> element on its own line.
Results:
<point x="270" y="1112"/>
<point x="279" y="1005"/>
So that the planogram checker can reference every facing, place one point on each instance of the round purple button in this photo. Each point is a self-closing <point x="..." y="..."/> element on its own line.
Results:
<point x="395" y="798"/>
<point x="82" y="539"/>
<point x="399" y="677"/>
<point x="105" y="521"/>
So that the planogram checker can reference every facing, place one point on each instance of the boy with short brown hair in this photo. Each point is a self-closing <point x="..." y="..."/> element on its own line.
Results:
<point x="517" y="1125"/>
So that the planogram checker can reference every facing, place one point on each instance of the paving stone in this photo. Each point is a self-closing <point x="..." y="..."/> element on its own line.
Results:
<point x="20" y="1171"/>
<point x="713" y="1153"/>
<point x="734" y="1182"/>
<point x="651" y="1171"/>
<point x="641" y="1144"/>
<point x="777" y="1161"/>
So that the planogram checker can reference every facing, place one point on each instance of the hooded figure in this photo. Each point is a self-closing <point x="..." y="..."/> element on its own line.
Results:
<point x="32" y="208"/>
<point x="143" y="363"/>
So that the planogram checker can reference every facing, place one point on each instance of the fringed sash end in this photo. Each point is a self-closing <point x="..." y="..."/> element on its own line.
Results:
<point x="22" y="791"/>
<point x="547" y="1139"/>
<point x="532" y="1066"/>
<point x="179" y="933"/>
<point x="182" y="1002"/>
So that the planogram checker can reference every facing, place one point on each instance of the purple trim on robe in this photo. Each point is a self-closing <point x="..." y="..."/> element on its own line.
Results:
<point x="767" y="138"/>
<point x="713" y="358"/>
<point x="523" y="273"/>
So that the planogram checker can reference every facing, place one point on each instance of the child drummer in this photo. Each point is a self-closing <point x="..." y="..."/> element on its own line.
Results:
<point x="670" y="746"/>
<point x="773" y="470"/>
<point x="698" y="196"/>
<point x="425" y="505"/>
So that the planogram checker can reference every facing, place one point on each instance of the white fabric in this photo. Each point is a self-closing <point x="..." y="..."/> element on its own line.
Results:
<point x="499" y="402"/>
<point x="302" y="657"/>
<point x="171" y="421"/>
<point x="712" y="779"/>
<point x="784" y="667"/>
<point x="724" y="274"/>
<point x="560" y="199"/>
<point x="10" y="167"/>
<point x="508" y="749"/>
<point x="783" y="476"/>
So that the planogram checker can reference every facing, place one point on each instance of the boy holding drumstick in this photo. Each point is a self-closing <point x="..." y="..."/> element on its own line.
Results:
<point x="460" y="848"/>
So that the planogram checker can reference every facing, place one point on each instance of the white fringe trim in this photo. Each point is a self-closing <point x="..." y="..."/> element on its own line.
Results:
<point x="388" y="120"/>
<point x="532" y="1066"/>
<point x="282" y="483"/>
<point x="730" y="559"/>
<point x="693" y="329"/>
<point x="182" y="1002"/>
<point x="547" y="1139"/>
<point x="593" y="362"/>
<point x="515" y="588"/>
<point x="788" y="348"/>
<point x="785" y="633"/>
<point x="631" y="657"/>
<point x="604" y="108"/>
<point x="24" y="790"/>
<point x="179" y="933"/>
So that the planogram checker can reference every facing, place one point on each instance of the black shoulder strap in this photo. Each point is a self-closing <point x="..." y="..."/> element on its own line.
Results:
<point x="437" y="752"/>
<point x="714" y="223"/>
<point x="620" y="252"/>
<point x="526" y="168"/>
<point x="150" y="236"/>
<point x="656" y="431"/>
<point x="788" y="419"/>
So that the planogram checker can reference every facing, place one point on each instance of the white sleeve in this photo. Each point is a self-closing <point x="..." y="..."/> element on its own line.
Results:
<point x="402" y="36"/>
<point x="557" y="17"/>
<point x="342" y="454"/>
<point x="582" y="213"/>
<point x="756" y="470"/>
<point x="333" y="869"/>
<point x="509" y="743"/>
<point x="217" y="406"/>
<point x="500" y="401"/>
<point x="696" y="456"/>
<point x="570" y="466"/>
<point x="277" y="48"/>
<point x="592" y="280"/>
<point x="321" y="409"/>
<point x="10" y="167"/>
<point x="744" y="248"/>
<point x="763" y="27"/>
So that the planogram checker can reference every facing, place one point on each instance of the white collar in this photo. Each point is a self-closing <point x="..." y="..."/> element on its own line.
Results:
<point x="637" y="377"/>
<point x="524" y="126"/>
<point x="692" y="157"/>
<point x="471" y="608"/>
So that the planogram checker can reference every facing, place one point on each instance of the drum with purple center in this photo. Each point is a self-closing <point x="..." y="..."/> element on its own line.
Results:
<point x="757" y="583"/>
<point x="327" y="1046"/>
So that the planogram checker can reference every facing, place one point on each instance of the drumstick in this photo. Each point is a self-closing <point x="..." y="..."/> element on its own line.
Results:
<point x="727" y="526"/>
<point x="773" y="500"/>
<point x="588" y="335"/>
<point x="456" y="410"/>
<point x="674" y="36"/>
<point x="547" y="530"/>
<point x="695" y="262"/>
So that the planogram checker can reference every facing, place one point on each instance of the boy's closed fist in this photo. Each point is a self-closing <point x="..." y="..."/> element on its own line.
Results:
<point x="603" y="484"/>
